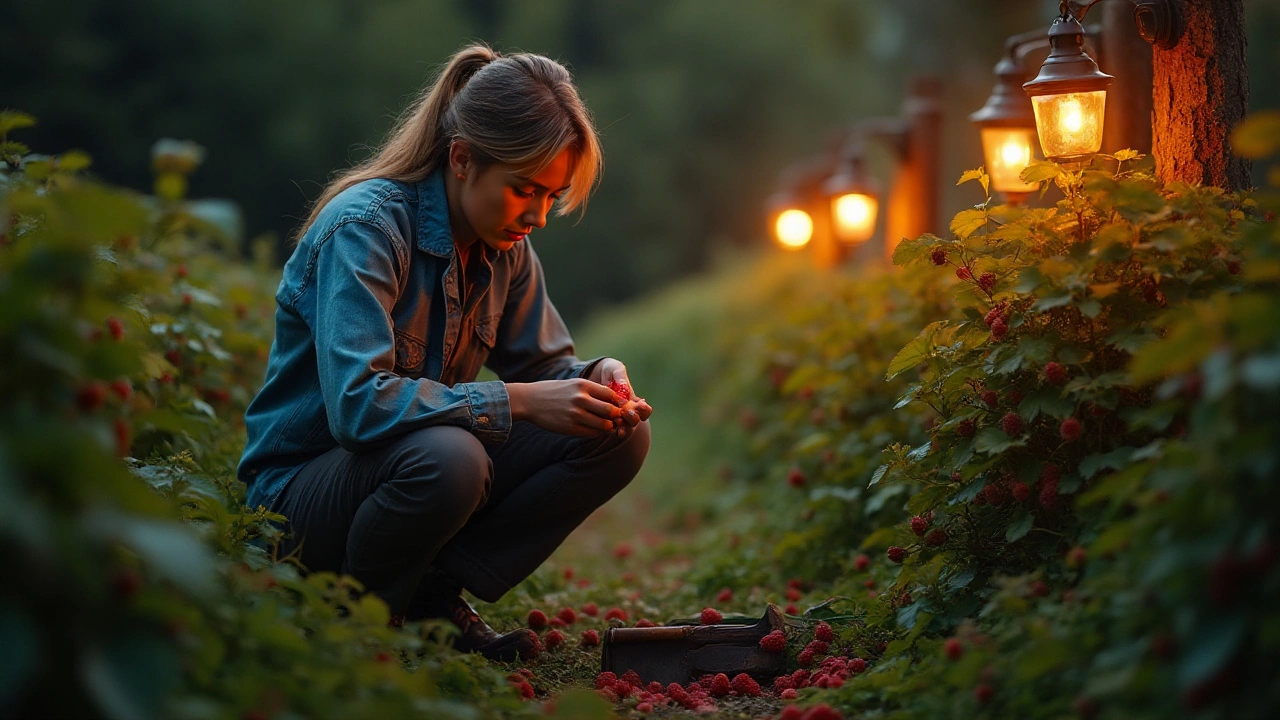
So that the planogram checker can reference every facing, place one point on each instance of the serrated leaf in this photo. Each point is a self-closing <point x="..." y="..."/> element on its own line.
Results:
<point x="914" y="353"/>
<point x="1127" y="154"/>
<point x="1040" y="171"/>
<point x="967" y="222"/>
<point x="913" y="248"/>
<point x="14" y="120"/>
<point x="979" y="174"/>
<point x="1019" y="527"/>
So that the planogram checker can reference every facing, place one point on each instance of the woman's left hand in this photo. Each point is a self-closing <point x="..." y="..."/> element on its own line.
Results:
<point x="635" y="410"/>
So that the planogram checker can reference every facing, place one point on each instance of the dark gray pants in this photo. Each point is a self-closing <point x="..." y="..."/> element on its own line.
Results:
<point x="486" y="515"/>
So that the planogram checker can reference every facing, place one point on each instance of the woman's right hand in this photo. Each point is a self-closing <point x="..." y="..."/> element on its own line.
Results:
<point x="569" y="407"/>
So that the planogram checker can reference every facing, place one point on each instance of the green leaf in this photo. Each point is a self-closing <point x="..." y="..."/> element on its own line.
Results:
<point x="1211" y="647"/>
<point x="1019" y="527"/>
<point x="979" y="174"/>
<point x="1040" y="171"/>
<point x="14" y="120"/>
<point x="915" y="352"/>
<point x="967" y="222"/>
<point x="992" y="440"/>
<point x="581" y="704"/>
<point x="1127" y="154"/>
<point x="1255" y="138"/>
<point x="1114" y="460"/>
<point x="911" y="249"/>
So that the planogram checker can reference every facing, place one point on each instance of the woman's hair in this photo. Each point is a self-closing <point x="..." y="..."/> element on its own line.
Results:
<point x="520" y="109"/>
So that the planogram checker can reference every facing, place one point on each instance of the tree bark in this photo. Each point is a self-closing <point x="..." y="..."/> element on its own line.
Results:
<point x="1201" y="92"/>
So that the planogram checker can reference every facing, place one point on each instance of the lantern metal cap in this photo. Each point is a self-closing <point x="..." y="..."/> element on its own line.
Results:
<point x="1068" y="69"/>
<point x="851" y="178"/>
<point x="1008" y="105"/>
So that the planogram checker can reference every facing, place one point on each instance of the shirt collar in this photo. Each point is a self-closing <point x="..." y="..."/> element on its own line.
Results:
<point x="434" y="233"/>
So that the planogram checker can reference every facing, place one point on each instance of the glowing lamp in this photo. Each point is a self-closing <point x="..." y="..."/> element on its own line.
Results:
<point x="793" y="228"/>
<point x="854" y="201"/>
<point x="1008" y="127"/>
<point x="1069" y="96"/>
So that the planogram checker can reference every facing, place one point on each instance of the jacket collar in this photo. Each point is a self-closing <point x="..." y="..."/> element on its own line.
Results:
<point x="434" y="233"/>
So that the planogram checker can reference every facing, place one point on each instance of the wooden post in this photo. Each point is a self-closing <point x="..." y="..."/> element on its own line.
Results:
<point x="1125" y="55"/>
<point x="1201" y="92"/>
<point x="912" y="207"/>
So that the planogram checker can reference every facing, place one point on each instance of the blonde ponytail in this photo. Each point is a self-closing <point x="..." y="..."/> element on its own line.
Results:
<point x="521" y="110"/>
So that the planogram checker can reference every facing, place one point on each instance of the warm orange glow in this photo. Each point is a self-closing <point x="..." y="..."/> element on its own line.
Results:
<point x="1070" y="125"/>
<point x="855" y="215"/>
<point x="1008" y="150"/>
<point x="793" y="229"/>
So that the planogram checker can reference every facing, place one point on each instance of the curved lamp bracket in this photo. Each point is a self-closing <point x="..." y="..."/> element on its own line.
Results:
<point x="1159" y="21"/>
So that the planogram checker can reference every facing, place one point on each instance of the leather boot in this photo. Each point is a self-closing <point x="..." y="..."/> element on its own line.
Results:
<point x="440" y="596"/>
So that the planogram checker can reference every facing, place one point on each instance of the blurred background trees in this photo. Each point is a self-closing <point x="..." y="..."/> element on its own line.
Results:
<point x="700" y="104"/>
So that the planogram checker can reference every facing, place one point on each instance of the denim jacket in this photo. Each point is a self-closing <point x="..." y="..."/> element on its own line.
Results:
<point x="372" y="338"/>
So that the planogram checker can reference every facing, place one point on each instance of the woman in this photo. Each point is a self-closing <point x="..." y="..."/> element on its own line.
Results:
<point x="371" y="434"/>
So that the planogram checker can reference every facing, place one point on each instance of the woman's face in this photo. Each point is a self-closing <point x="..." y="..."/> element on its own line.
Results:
<point x="501" y="204"/>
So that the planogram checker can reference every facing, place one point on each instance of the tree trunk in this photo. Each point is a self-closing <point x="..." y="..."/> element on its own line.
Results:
<point x="1201" y="92"/>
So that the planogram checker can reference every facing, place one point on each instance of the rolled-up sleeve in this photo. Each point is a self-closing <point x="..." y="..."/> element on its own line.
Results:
<point x="532" y="340"/>
<point x="357" y="281"/>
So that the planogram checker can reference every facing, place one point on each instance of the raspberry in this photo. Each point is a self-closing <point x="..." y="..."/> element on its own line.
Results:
<point x="805" y="658"/>
<point x="725" y="595"/>
<point x="953" y="648"/>
<point x="122" y="389"/>
<point x="536" y="620"/>
<point x="795" y="478"/>
<point x="935" y="538"/>
<point x="1076" y="557"/>
<point x="1233" y="267"/>
<point x="567" y="615"/>
<point x="644" y="707"/>
<point x="793" y="594"/>
<point x="818" y="647"/>
<point x="791" y="609"/>
<point x="822" y="712"/>
<point x="1050" y="474"/>
<point x="823" y="632"/>
<point x="983" y="693"/>
<point x="1055" y="373"/>
<point x="938" y="256"/>
<point x="790" y="712"/>
<point x="591" y="609"/>
<point x="919" y="526"/>
<point x="861" y="563"/>
<point x="1015" y="397"/>
<point x="711" y="616"/>
<point x="1049" y="496"/>
<point x="806" y="392"/>
<point x="800" y="678"/>
<point x="654" y="687"/>
<point x="956" y="476"/>
<point x="987" y="281"/>
<point x="116" y="328"/>
<point x="556" y="622"/>
<point x="623" y="551"/>
<point x="1071" y="429"/>
<point x="896" y="554"/>
<point x="964" y="273"/>
<point x="999" y="329"/>
<point x="965" y="428"/>
<point x="124" y="439"/>
<point x="1021" y="492"/>
<point x="621" y="389"/>
<point x="553" y="639"/>
<point x="720" y="685"/>
<point x="783" y="682"/>
<point x="996" y="313"/>
<point x="774" y="642"/>
<point x="590" y="638"/>
<point x="526" y="690"/>
<point x="995" y="494"/>
<point x="616" y="614"/>
<point x="90" y="397"/>
<point x="182" y="270"/>
<point x="990" y="398"/>
<point x="608" y="694"/>
<point x="1039" y="589"/>
<point x="187" y="299"/>
<point x="857" y="666"/>
<point x="744" y="684"/>
<point x="645" y="622"/>
<point x="1011" y="423"/>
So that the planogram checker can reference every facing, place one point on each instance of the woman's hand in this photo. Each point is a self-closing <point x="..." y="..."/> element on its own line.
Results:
<point x="569" y="407"/>
<point x="612" y="373"/>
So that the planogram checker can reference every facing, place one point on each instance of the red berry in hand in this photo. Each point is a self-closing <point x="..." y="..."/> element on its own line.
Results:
<point x="896" y="554"/>
<point x="621" y="389"/>
<point x="1011" y="423"/>
<point x="1071" y="429"/>
<point x="711" y="616"/>
<point x="919" y="526"/>
<point x="953" y="648"/>
<point x="987" y="281"/>
<point x="964" y="273"/>
<point x="966" y="428"/>
<point x="1055" y="373"/>
<point x="861" y="563"/>
<point x="796" y="478"/>
<point x="536" y="620"/>
<point x="938" y="256"/>
<point x="116" y="327"/>
<point x="774" y="642"/>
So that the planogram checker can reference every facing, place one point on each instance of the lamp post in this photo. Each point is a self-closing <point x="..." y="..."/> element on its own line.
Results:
<point x="855" y="197"/>
<point x="1069" y="94"/>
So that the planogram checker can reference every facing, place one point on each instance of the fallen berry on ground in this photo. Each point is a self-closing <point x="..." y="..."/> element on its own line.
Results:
<point x="567" y="615"/>
<point x="790" y="694"/>
<point x="725" y="595"/>
<point x="590" y="638"/>
<point x="536" y="620"/>
<point x="823" y="632"/>
<point x="805" y="658"/>
<point x="710" y="616"/>
<point x="553" y="639"/>
<point x="591" y="609"/>
<point x="744" y="684"/>
<point x="720" y="685"/>
<point x="616" y="614"/>
<point x="774" y="642"/>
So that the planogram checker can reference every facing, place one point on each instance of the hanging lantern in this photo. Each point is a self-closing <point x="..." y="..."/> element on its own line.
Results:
<point x="1069" y="95"/>
<point x="854" y="200"/>
<point x="1008" y="128"/>
<point x="791" y="223"/>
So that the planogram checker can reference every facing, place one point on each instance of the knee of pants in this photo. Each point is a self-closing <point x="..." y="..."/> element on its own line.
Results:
<point x="630" y="453"/>
<point x="443" y="469"/>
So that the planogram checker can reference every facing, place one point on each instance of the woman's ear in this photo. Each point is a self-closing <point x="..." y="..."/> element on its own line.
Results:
<point x="459" y="158"/>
